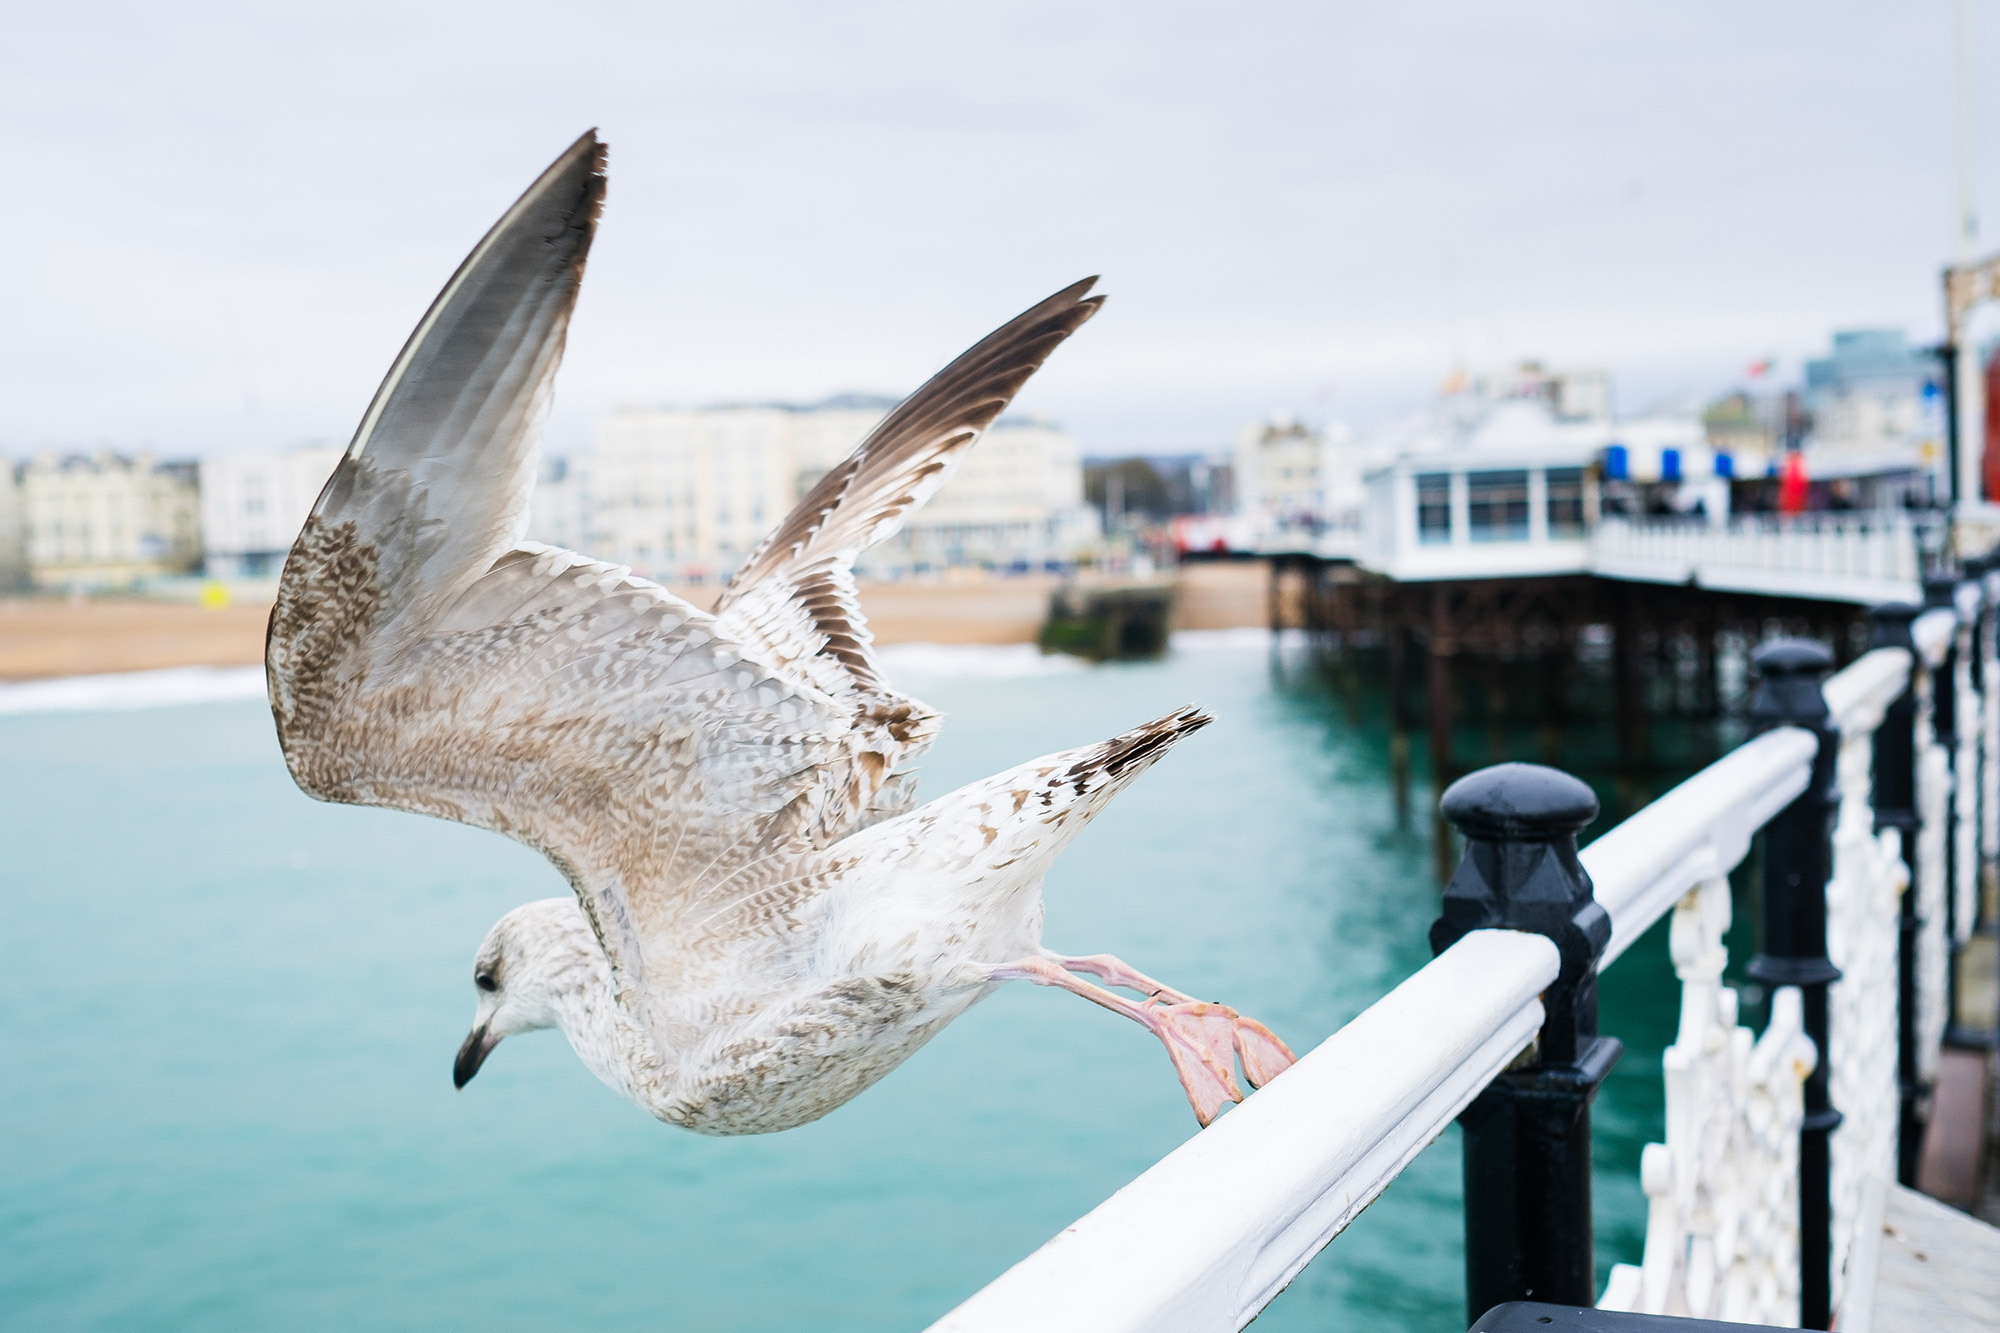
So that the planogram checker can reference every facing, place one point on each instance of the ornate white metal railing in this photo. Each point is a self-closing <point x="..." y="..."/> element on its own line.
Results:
<point x="1934" y="634"/>
<point x="1864" y="898"/>
<point x="1722" y="1233"/>
<point x="1856" y="557"/>
<point x="1258" y="1194"/>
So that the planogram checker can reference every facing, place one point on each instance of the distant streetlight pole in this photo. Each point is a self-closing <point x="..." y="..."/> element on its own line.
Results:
<point x="1962" y="381"/>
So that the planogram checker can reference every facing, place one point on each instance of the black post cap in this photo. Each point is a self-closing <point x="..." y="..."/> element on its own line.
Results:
<point x="1520" y="870"/>
<point x="1788" y="691"/>
<point x="1940" y="590"/>
<point x="1519" y="803"/>
<point x="1892" y="621"/>
<point x="1792" y="657"/>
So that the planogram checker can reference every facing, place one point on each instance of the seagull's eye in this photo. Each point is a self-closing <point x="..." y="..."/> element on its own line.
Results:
<point x="485" y="981"/>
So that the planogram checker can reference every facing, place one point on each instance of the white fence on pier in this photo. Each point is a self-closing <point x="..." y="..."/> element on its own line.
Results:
<point x="1208" y="1236"/>
<point x="1864" y="557"/>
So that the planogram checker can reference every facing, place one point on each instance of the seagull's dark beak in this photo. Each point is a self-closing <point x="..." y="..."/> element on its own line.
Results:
<point x="479" y="1044"/>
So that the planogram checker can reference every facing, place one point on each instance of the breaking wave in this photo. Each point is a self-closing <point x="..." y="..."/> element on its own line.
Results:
<point x="132" y="689"/>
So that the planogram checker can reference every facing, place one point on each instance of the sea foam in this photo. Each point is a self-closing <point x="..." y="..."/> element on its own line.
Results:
<point x="132" y="689"/>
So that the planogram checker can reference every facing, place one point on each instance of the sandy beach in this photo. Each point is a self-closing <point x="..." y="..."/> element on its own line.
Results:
<point x="53" y="636"/>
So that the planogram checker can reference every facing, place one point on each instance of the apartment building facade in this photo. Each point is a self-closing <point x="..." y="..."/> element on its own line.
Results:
<point x="254" y="503"/>
<point x="685" y="494"/>
<point x="105" y="519"/>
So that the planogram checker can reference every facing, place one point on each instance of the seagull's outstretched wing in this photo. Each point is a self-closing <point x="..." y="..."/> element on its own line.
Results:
<point x="421" y="657"/>
<point x="794" y="598"/>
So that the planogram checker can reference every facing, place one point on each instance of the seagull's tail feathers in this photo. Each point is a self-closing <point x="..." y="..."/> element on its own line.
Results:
<point x="1124" y="757"/>
<point x="1068" y="789"/>
<point x="999" y="835"/>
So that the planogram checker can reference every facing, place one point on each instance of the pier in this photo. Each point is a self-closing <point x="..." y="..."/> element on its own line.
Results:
<point x="1867" y="806"/>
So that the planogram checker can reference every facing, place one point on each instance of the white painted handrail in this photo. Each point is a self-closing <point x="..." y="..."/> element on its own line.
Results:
<point x="1697" y="831"/>
<point x="1257" y="1195"/>
<point x="1702" y="828"/>
<point x="1933" y="632"/>
<point x="1207" y="1237"/>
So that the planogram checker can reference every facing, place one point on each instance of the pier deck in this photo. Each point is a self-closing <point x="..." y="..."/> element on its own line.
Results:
<point x="1933" y="1268"/>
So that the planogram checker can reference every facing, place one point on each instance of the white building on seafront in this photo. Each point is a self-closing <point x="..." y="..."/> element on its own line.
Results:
<point x="1290" y="477"/>
<point x="13" y="530"/>
<point x="100" y="519"/>
<point x="254" y="503"/>
<point x="685" y="494"/>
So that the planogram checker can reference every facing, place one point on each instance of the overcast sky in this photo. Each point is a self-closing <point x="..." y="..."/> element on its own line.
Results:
<point x="226" y="218"/>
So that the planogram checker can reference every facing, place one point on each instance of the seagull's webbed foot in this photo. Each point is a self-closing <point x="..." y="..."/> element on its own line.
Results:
<point x="1203" y="1040"/>
<point x="1263" y="1056"/>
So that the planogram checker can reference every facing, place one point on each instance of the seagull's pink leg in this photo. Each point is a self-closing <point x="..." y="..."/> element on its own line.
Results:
<point x="1264" y="1057"/>
<point x="1197" y="1036"/>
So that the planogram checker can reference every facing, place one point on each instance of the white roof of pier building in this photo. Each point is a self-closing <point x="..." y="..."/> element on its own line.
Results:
<point x="1481" y="493"/>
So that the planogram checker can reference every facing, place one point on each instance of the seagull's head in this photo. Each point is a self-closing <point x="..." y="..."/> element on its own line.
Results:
<point x="527" y="964"/>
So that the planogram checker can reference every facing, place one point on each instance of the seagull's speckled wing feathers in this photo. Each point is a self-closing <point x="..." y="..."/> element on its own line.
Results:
<point x="421" y="657"/>
<point x="794" y="598"/>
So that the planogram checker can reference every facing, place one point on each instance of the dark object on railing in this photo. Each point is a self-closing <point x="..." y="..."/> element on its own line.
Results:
<point x="1527" y="1136"/>
<point x="1104" y="622"/>
<point x="1895" y="797"/>
<point x="1979" y="1031"/>
<point x="1798" y="861"/>
<point x="1534" y="1317"/>
<point x="1955" y="1033"/>
<point x="1947" y="355"/>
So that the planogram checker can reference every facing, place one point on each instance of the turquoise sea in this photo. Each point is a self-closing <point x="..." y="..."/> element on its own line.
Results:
<point x="230" y="1015"/>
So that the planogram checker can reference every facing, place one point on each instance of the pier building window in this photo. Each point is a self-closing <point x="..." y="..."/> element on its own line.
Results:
<point x="1497" y="506"/>
<point x="1565" y="502"/>
<point x="1434" y="508"/>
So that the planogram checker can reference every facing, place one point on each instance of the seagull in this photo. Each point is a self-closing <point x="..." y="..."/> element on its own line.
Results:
<point x="764" y="922"/>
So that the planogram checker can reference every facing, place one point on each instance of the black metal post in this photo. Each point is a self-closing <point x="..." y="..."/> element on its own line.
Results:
<point x="1942" y="591"/>
<point x="1798" y="861"/>
<point x="1895" y="797"/>
<point x="1528" y="1230"/>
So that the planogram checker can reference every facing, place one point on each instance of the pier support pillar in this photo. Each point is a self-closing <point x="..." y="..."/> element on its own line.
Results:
<point x="1629" y="688"/>
<point x="1443" y="648"/>
<point x="1798" y="862"/>
<point x="1528" y="1225"/>
<point x="1399" y="717"/>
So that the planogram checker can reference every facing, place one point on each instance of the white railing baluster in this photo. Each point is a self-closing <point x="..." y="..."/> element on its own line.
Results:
<point x="1863" y="901"/>
<point x="1933" y="633"/>
<point x="1722" y="1226"/>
